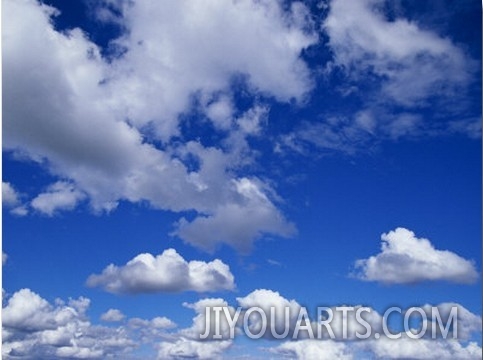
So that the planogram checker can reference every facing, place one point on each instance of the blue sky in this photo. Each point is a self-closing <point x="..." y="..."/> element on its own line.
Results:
<point x="159" y="156"/>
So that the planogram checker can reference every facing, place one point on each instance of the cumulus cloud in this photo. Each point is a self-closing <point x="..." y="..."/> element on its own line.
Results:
<point x="407" y="348"/>
<point x="287" y="318"/>
<point x="232" y="223"/>
<point x="185" y="348"/>
<point x="86" y="118"/>
<point x="314" y="350"/>
<point x="404" y="258"/>
<point x="112" y="315"/>
<point x="200" y="48"/>
<point x="167" y="272"/>
<point x="266" y="299"/>
<point x="468" y="323"/>
<point x="187" y="342"/>
<point x="59" y="196"/>
<point x="159" y="322"/>
<point x="34" y="328"/>
<point x="383" y="348"/>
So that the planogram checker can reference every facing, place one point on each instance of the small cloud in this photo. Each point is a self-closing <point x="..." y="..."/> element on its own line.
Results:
<point x="167" y="272"/>
<point x="112" y="315"/>
<point x="404" y="259"/>
<point x="10" y="196"/>
<point x="313" y="349"/>
<point x="274" y="262"/>
<point x="59" y="196"/>
<point x="11" y="200"/>
<point x="4" y="258"/>
<point x="239" y="223"/>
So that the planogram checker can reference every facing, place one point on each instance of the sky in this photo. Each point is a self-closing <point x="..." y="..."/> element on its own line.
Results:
<point x="161" y="157"/>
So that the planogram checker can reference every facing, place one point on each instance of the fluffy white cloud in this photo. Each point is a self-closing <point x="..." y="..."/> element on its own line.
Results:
<point x="167" y="272"/>
<point x="201" y="323"/>
<point x="407" y="348"/>
<point x="404" y="258"/>
<point x="59" y="196"/>
<point x="194" y="47"/>
<point x="113" y="315"/>
<point x="314" y="350"/>
<point x="187" y="342"/>
<point x="266" y="299"/>
<point x="34" y="328"/>
<point x="467" y="322"/>
<point x="85" y="118"/>
<point x="250" y="217"/>
<point x="383" y="348"/>
<point x="186" y="348"/>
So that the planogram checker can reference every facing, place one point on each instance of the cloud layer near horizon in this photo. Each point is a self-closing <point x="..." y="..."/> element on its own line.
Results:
<point x="34" y="327"/>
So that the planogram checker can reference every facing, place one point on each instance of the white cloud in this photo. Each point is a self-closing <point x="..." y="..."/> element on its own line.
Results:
<point x="314" y="350"/>
<point x="220" y="112"/>
<point x="201" y="323"/>
<point x="9" y="196"/>
<point x="253" y="120"/>
<point x="383" y="348"/>
<point x="412" y="63"/>
<point x="167" y="272"/>
<point x="4" y="258"/>
<point x="112" y="315"/>
<point x="404" y="258"/>
<point x="11" y="200"/>
<point x="159" y="322"/>
<point x="34" y="328"/>
<point x="248" y="218"/>
<point x="59" y="196"/>
<point x="83" y="117"/>
<point x="187" y="342"/>
<point x="468" y="323"/>
<point x="186" y="348"/>
<point x="265" y="299"/>
<point x="407" y="348"/>
<point x="396" y="68"/>
<point x="200" y="48"/>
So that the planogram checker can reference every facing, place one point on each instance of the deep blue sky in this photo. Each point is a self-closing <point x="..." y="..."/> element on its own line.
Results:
<point x="288" y="136"/>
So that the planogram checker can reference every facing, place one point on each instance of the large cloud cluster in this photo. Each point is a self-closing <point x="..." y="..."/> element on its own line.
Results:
<point x="33" y="327"/>
<point x="87" y="119"/>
